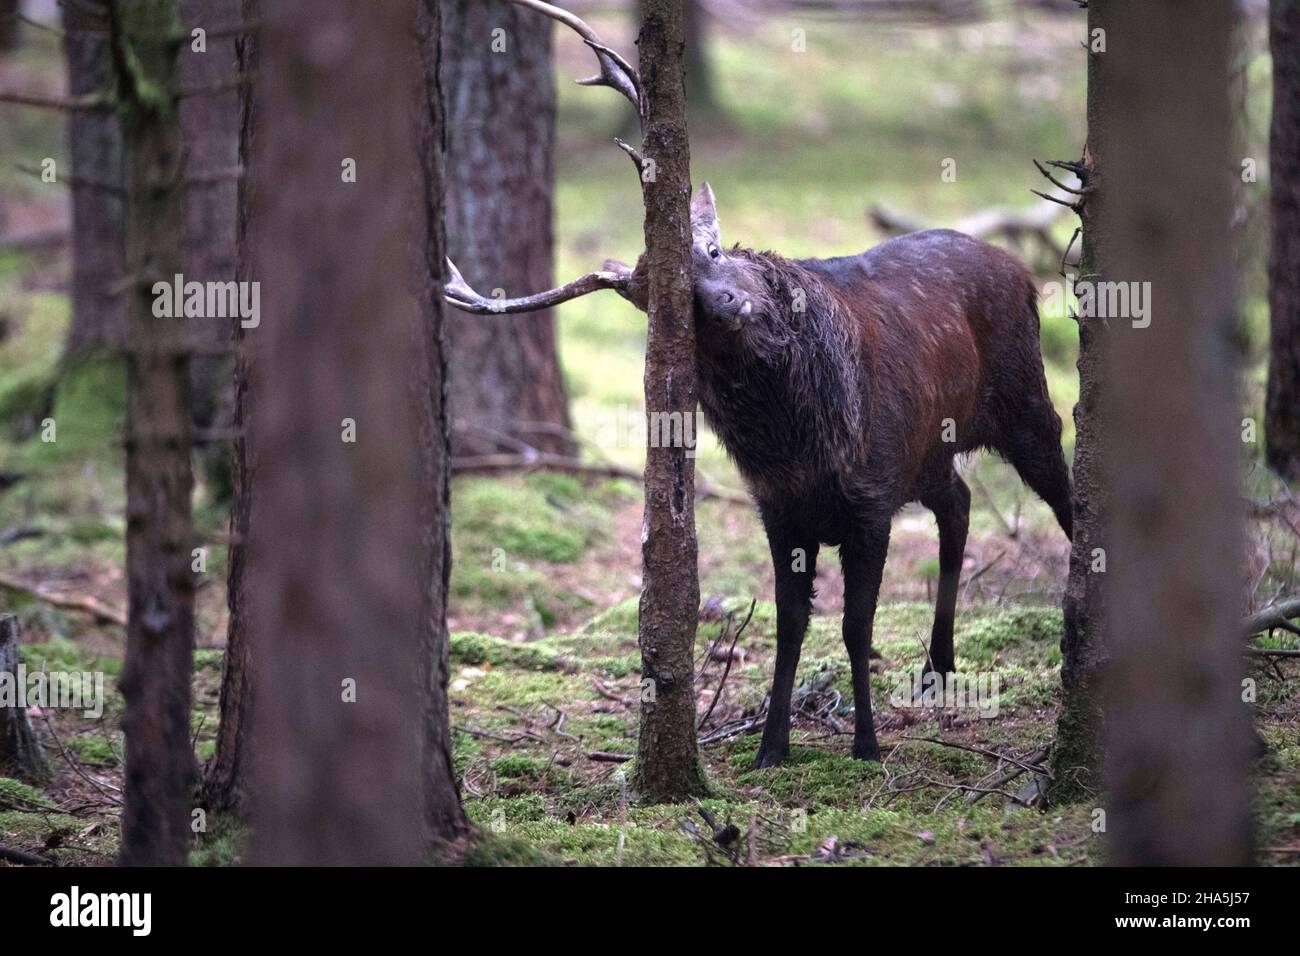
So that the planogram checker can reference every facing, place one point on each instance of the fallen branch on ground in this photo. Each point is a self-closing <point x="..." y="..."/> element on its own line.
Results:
<point x="72" y="602"/>
<point x="1276" y="616"/>
<point x="1013" y="225"/>
<point x="22" y="857"/>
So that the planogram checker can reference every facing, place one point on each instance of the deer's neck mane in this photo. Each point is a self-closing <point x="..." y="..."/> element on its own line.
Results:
<point x="788" y="404"/>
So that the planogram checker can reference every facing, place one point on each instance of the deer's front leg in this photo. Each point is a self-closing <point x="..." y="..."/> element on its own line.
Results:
<point x="794" y="558"/>
<point x="863" y="560"/>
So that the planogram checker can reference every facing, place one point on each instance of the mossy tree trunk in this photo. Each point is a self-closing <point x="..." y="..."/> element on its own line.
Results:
<point x="668" y="766"/>
<point x="160" y="630"/>
<point x="1076" y="753"/>
<point x="1177" y="735"/>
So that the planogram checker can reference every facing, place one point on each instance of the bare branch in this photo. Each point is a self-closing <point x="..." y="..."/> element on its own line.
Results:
<point x="1277" y="616"/>
<point x="91" y="101"/>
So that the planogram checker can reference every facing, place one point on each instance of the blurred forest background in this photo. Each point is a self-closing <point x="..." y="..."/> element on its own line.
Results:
<point x="818" y="148"/>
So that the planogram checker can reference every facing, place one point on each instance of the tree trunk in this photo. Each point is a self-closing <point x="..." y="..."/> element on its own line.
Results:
<point x="1282" y="417"/>
<point x="160" y="583"/>
<point x="210" y="130"/>
<point x="345" y="513"/>
<point x="444" y="817"/>
<point x="668" y="766"/>
<point x="21" y="754"/>
<point x="700" y="96"/>
<point x="10" y="28"/>
<point x="1177" y="733"/>
<point x="1076" y="753"/>
<point x="505" y="374"/>
<point x="95" y="150"/>
<point x="227" y="779"/>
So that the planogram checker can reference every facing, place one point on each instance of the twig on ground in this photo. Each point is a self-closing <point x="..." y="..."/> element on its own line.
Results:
<point x="731" y="654"/>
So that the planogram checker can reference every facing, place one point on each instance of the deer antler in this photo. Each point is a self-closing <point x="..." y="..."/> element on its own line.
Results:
<point x="615" y="72"/>
<point x="618" y="74"/>
<point x="458" y="292"/>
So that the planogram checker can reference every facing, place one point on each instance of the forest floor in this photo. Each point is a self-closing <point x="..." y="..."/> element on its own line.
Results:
<point x="544" y="679"/>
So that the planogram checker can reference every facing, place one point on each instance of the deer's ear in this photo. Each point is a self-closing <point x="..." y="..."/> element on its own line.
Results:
<point x="704" y="216"/>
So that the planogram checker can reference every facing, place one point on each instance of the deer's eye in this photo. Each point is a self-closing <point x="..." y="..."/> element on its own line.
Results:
<point x="714" y="253"/>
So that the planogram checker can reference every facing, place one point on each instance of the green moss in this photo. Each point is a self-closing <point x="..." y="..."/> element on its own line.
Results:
<point x="810" y="776"/>
<point x="224" y="843"/>
<point x="95" y="751"/>
<point x="503" y="523"/>
<point x="497" y="849"/>
<point x="16" y="795"/>
<point x="209" y="659"/>
<point x="471" y="648"/>
<point x="29" y="359"/>
<point x="59" y="654"/>
<point x="89" y="412"/>
<point x="524" y="765"/>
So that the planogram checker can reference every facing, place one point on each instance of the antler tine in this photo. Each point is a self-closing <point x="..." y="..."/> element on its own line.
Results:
<point x="458" y="292"/>
<point x="615" y="72"/>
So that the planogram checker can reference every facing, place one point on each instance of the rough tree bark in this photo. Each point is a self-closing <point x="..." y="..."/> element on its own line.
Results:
<point x="1282" y="414"/>
<point x="95" y="150"/>
<point x="505" y="373"/>
<point x="21" y="754"/>
<point x="226" y="781"/>
<point x="443" y="815"/>
<point x="1076" y="753"/>
<point x="1176" y="731"/>
<point x="343" y="378"/>
<point x="210" y="131"/>
<point x="160" y="628"/>
<point x="668" y="766"/>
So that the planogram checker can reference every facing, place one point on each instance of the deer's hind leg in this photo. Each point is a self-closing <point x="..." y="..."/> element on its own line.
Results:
<point x="950" y="502"/>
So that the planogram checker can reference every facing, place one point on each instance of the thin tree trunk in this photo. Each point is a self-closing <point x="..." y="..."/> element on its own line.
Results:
<point x="341" y="543"/>
<point x="443" y="814"/>
<point x="95" y="150"/>
<point x="210" y="130"/>
<point x="1177" y="733"/>
<point x="227" y="780"/>
<point x="505" y="373"/>
<point x="668" y="765"/>
<point x="160" y="628"/>
<point x="1282" y="417"/>
<point x="1076" y="753"/>
<point x="21" y="754"/>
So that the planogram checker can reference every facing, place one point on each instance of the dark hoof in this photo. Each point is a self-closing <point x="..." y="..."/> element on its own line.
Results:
<point x="771" y="757"/>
